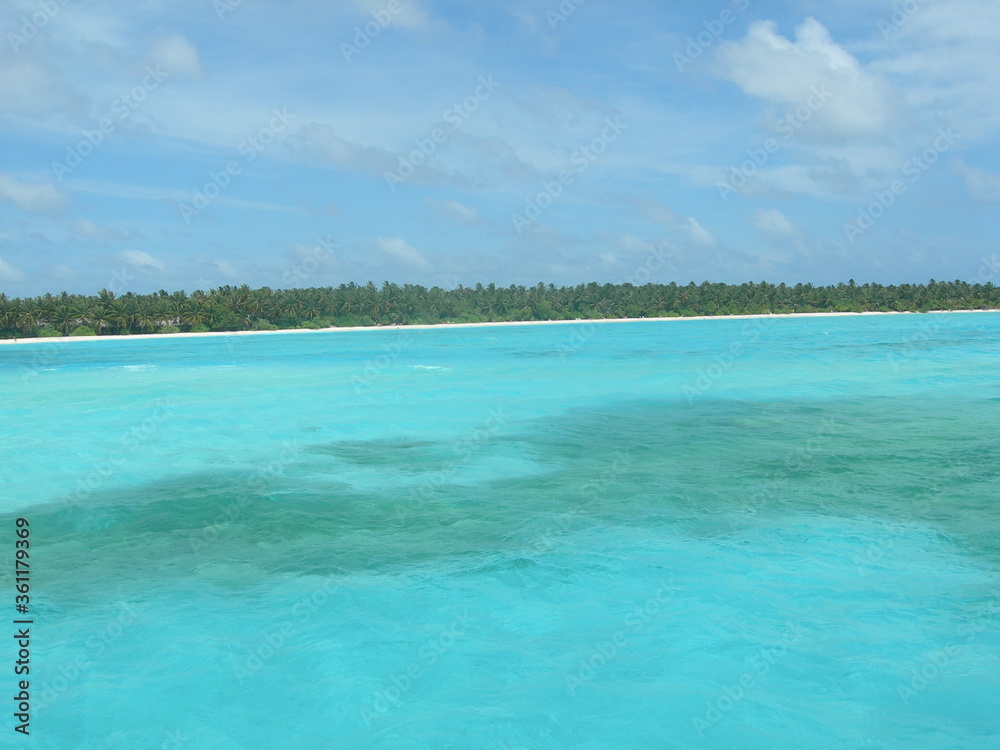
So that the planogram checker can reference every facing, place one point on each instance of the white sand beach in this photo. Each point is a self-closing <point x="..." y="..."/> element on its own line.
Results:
<point x="584" y="321"/>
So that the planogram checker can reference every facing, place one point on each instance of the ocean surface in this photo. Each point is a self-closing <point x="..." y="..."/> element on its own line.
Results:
<point x="775" y="533"/>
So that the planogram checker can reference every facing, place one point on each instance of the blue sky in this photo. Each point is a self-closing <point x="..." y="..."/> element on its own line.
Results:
<point x="185" y="144"/>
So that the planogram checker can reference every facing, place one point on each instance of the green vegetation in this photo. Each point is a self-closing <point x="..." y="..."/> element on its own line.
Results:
<point x="242" y="308"/>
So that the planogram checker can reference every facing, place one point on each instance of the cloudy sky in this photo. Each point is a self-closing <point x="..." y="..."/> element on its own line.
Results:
<point x="184" y="144"/>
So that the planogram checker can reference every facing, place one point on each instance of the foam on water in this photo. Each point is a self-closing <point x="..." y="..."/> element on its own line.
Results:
<point x="569" y="537"/>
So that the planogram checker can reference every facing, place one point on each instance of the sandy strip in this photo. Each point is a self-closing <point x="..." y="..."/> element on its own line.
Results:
<point x="134" y="337"/>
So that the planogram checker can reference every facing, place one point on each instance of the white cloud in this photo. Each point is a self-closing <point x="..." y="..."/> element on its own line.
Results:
<point x="532" y="27"/>
<point x="826" y="179"/>
<point x="172" y="197"/>
<point x="844" y="100"/>
<point x="983" y="186"/>
<point x="62" y="272"/>
<point x="453" y="210"/>
<point x="226" y="268"/>
<point x="10" y="274"/>
<point x="662" y="214"/>
<point x="141" y="259"/>
<point x="774" y="223"/>
<point x="39" y="198"/>
<point x="177" y="56"/>
<point x="31" y="89"/>
<point x="219" y="266"/>
<point x="93" y="231"/>
<point x="91" y="28"/>
<point x="632" y="245"/>
<point x="946" y="58"/>
<point x="528" y="20"/>
<point x="410" y="14"/>
<point x="659" y="212"/>
<point x="786" y="242"/>
<point x="697" y="233"/>
<point x="317" y="142"/>
<point x="401" y="250"/>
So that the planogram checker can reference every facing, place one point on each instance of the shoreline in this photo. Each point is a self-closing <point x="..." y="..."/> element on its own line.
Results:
<point x="491" y="324"/>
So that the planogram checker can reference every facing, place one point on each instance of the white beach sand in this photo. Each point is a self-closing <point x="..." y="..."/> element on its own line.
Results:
<point x="462" y="325"/>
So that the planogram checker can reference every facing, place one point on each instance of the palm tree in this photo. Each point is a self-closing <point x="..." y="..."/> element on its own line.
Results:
<point x="7" y="314"/>
<point x="120" y="316"/>
<point x="164" y="312"/>
<point x="64" y="319"/>
<point x="408" y="303"/>
<point x="191" y="313"/>
<point x="145" y="320"/>
<point x="27" y="318"/>
<point x="98" y="317"/>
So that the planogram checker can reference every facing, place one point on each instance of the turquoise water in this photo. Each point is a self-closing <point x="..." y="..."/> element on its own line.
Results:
<point x="684" y="534"/>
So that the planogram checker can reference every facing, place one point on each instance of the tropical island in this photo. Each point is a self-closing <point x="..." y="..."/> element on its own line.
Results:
<point x="231" y="308"/>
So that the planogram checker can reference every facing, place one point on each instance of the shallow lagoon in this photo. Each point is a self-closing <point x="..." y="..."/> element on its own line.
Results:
<point x="712" y="534"/>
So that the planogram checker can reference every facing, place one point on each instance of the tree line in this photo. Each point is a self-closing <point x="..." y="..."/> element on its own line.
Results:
<point x="231" y="308"/>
